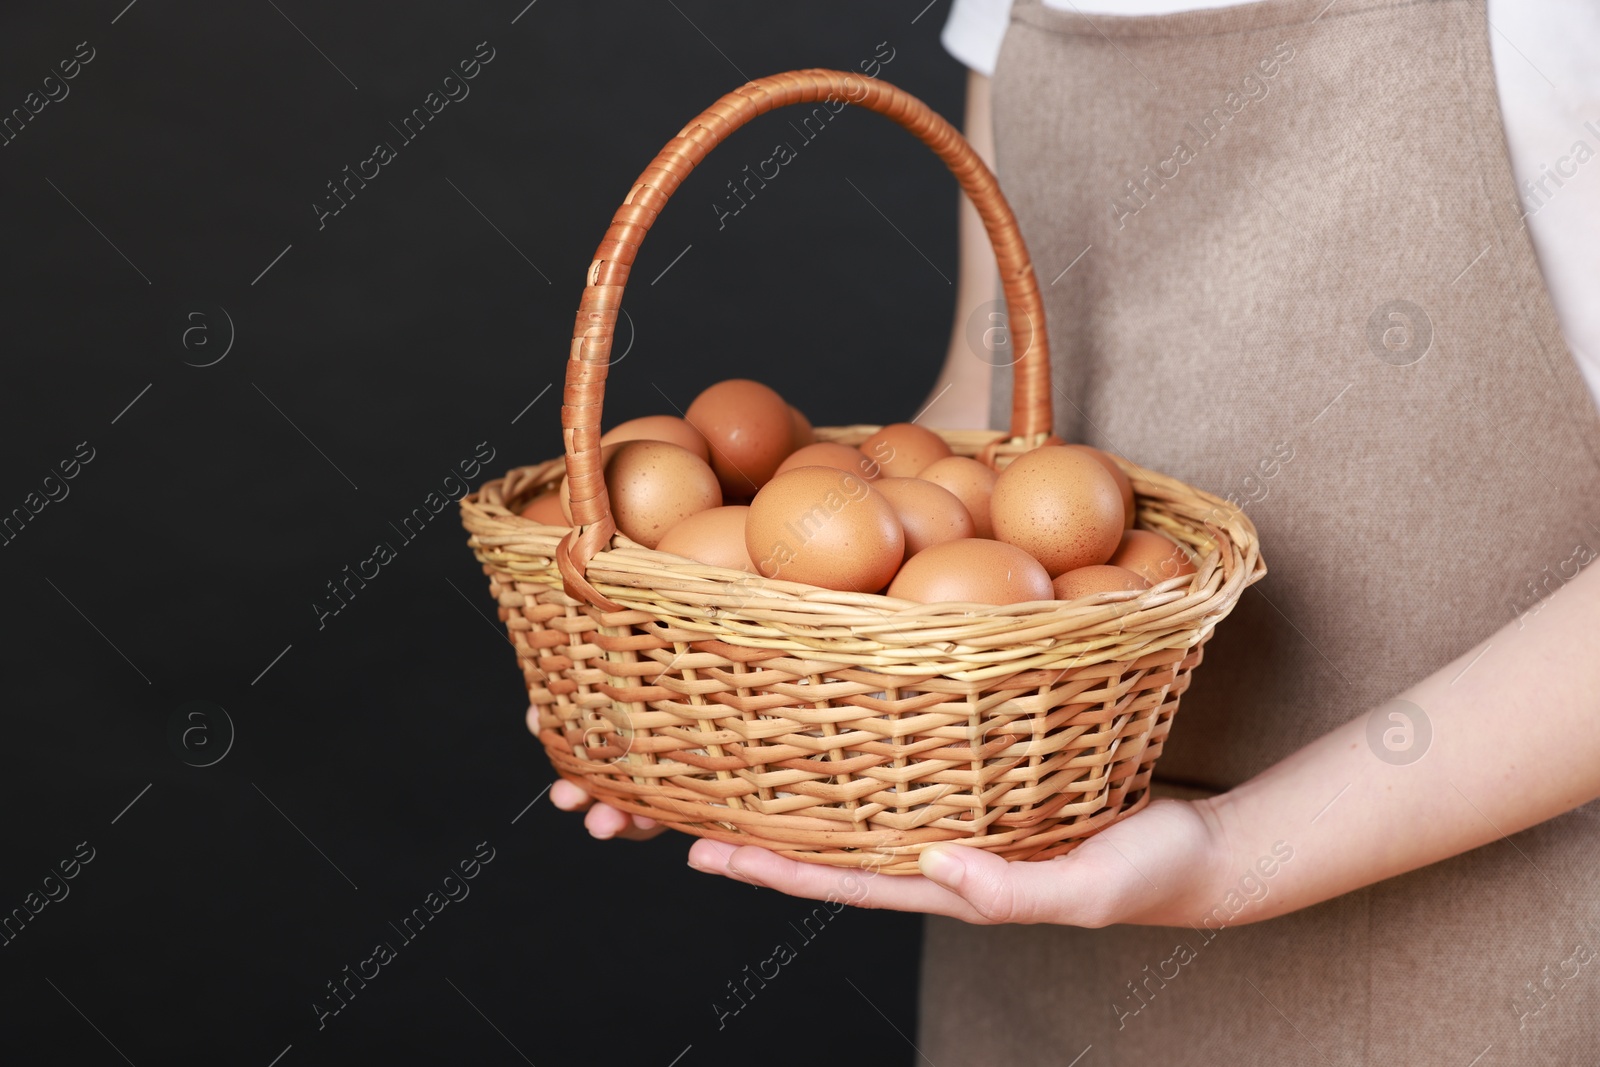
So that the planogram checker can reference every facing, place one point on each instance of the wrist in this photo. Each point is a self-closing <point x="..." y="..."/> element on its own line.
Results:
<point x="1180" y="866"/>
<point x="1243" y="881"/>
<point x="1222" y="862"/>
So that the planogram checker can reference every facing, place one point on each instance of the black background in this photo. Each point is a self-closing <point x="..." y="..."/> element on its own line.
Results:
<point x="371" y="358"/>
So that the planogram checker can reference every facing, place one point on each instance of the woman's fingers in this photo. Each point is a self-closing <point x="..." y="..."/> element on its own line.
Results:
<point x="1072" y="890"/>
<point x="605" y="822"/>
<point x="864" y="889"/>
<point x="641" y="829"/>
<point x="602" y="821"/>
<point x="1086" y="888"/>
<point x="569" y="797"/>
<point x="861" y="888"/>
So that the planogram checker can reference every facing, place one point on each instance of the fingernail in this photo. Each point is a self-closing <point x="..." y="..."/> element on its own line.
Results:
<point x="712" y="868"/>
<point x="942" y="866"/>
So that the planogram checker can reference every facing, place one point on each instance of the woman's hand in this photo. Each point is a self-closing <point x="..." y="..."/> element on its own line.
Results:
<point x="1165" y="865"/>
<point x="602" y="821"/>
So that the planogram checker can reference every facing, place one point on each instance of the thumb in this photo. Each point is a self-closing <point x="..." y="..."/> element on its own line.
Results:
<point x="990" y="885"/>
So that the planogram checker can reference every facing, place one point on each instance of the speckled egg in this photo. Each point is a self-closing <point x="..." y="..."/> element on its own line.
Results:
<point x="1060" y="506"/>
<point x="1152" y="556"/>
<point x="827" y="527"/>
<point x="973" y="570"/>
<point x="546" y="510"/>
<point x="750" y="430"/>
<point x="971" y="482"/>
<point x="668" y="428"/>
<point x="1100" y="578"/>
<point x="653" y="486"/>
<point x="930" y="514"/>
<point x="714" y="536"/>
<point x="1119" y="477"/>
<point x="903" y="449"/>
<point x="830" y="454"/>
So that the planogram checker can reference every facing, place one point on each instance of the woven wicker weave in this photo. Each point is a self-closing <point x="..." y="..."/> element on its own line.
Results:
<point x="841" y="728"/>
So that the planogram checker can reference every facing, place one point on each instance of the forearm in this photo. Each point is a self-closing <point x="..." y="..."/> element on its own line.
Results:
<point x="1515" y="725"/>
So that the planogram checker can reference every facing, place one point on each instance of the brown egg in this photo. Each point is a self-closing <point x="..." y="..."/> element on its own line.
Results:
<point x="546" y="509"/>
<point x="1120" y="478"/>
<point x="827" y="527"/>
<point x="971" y="482"/>
<point x="830" y="454"/>
<point x="1099" y="578"/>
<point x="715" y="537"/>
<point x="1152" y="556"/>
<point x="972" y="571"/>
<point x="929" y="514"/>
<point x="750" y="430"/>
<point x="668" y="428"/>
<point x="803" y="433"/>
<point x="903" y="449"/>
<point x="1060" y="506"/>
<point x="653" y="486"/>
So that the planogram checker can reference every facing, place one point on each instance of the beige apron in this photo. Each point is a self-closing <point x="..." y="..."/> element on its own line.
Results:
<point x="1298" y="277"/>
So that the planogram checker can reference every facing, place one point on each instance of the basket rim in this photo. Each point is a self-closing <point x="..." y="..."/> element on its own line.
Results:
<point x="742" y="609"/>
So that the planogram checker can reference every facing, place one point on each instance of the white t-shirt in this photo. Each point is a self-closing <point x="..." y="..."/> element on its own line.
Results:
<point x="1547" y="68"/>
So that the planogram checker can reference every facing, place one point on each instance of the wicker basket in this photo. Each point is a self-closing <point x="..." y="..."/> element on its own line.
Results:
<point x="841" y="728"/>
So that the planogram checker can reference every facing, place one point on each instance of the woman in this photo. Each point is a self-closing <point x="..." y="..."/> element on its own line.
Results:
<point x="1285" y="259"/>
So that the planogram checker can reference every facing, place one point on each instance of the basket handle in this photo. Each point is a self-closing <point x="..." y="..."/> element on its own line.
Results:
<point x="596" y="322"/>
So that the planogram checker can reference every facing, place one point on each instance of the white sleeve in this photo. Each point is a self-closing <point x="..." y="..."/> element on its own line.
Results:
<point x="973" y="31"/>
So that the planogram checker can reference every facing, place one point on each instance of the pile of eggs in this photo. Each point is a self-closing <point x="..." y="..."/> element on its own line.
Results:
<point x="740" y="482"/>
